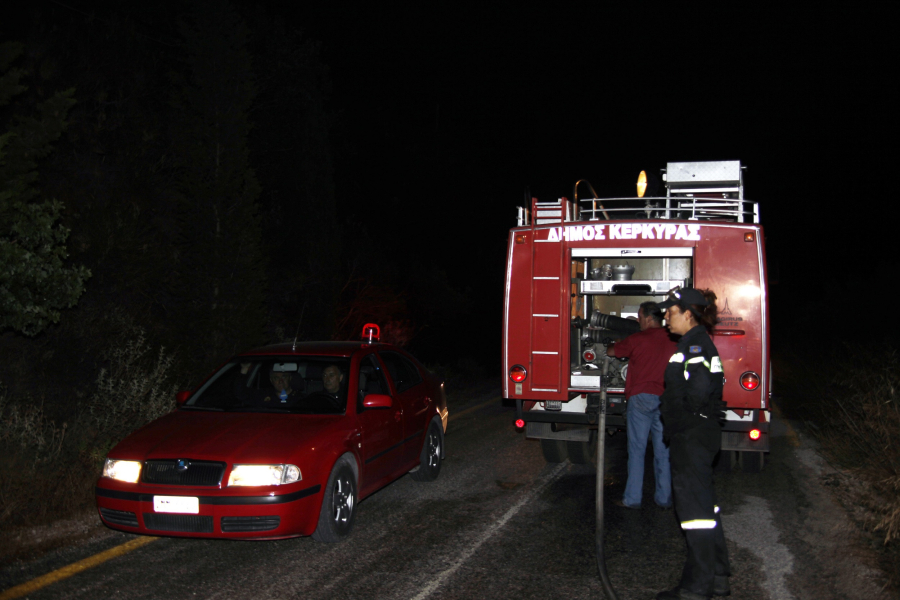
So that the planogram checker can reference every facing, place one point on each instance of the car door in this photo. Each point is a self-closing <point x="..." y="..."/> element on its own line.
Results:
<point x="381" y="429"/>
<point x="411" y="391"/>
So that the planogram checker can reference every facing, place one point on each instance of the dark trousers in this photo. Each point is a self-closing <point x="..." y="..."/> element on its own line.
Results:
<point x="691" y="453"/>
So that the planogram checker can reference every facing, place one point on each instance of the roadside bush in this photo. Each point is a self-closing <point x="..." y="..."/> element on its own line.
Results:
<point x="29" y="441"/>
<point x="49" y="468"/>
<point x="133" y="390"/>
<point x="848" y="400"/>
<point x="860" y="430"/>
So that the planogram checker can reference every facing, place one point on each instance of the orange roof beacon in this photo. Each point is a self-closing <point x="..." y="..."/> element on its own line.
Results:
<point x="577" y="271"/>
<point x="279" y="442"/>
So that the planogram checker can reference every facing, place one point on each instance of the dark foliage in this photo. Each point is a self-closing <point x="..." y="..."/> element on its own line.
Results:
<point x="193" y="166"/>
<point x="35" y="282"/>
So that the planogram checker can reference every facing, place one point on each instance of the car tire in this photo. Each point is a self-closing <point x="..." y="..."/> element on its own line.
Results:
<point x="430" y="457"/>
<point x="338" y="505"/>
<point x="555" y="451"/>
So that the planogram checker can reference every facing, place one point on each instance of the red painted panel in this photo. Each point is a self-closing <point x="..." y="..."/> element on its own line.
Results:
<point x="517" y="309"/>
<point x="545" y="371"/>
<point x="547" y="259"/>
<point x="731" y="267"/>
<point x="548" y="296"/>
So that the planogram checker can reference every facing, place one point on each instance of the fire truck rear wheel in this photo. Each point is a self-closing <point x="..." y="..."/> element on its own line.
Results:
<point x="751" y="462"/>
<point x="583" y="453"/>
<point x="555" y="451"/>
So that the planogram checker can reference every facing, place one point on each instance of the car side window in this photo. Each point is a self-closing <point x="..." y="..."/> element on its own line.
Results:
<point x="403" y="372"/>
<point x="371" y="379"/>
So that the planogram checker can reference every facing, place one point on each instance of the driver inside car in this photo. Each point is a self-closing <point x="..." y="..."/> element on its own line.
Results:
<point x="281" y="394"/>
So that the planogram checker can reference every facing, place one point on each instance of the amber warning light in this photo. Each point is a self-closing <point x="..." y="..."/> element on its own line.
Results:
<point x="642" y="184"/>
<point x="754" y="434"/>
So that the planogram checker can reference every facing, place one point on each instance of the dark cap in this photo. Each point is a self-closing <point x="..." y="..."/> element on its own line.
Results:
<point x="684" y="297"/>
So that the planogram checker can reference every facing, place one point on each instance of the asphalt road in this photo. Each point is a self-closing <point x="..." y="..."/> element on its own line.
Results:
<point x="499" y="523"/>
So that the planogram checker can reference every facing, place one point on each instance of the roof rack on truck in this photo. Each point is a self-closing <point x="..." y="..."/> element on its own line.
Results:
<point x="696" y="191"/>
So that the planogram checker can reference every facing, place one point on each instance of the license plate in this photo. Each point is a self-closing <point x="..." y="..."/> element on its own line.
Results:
<point x="176" y="504"/>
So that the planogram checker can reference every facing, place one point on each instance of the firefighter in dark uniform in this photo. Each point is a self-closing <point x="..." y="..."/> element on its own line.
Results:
<point x="692" y="409"/>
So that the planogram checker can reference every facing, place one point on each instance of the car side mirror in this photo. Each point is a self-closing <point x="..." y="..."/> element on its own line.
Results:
<point x="181" y="398"/>
<point x="377" y="401"/>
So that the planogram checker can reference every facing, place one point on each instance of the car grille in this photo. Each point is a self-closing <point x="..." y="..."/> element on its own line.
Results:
<point x="119" y="517"/>
<point x="184" y="523"/>
<point x="235" y="524"/>
<point x="166" y="472"/>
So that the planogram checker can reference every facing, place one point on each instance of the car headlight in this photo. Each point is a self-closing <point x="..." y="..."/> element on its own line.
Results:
<point x="122" y="470"/>
<point x="264" y="474"/>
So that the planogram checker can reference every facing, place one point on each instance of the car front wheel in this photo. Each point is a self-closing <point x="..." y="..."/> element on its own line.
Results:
<point x="338" y="505"/>
<point x="430" y="457"/>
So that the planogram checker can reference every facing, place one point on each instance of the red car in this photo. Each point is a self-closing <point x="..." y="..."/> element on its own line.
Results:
<point x="281" y="441"/>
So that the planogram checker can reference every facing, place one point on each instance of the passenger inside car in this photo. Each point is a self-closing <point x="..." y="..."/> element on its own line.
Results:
<point x="331" y="379"/>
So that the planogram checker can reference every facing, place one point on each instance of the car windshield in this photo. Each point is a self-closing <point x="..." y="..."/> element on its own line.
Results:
<point x="290" y="384"/>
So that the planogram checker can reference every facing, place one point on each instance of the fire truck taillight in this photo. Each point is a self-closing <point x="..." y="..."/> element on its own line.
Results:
<point x="520" y="423"/>
<point x="588" y="356"/>
<point x="750" y="381"/>
<point x="518" y="373"/>
<point x="754" y="434"/>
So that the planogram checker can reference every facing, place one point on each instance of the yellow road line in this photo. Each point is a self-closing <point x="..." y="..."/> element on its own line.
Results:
<point x="465" y="412"/>
<point x="74" y="568"/>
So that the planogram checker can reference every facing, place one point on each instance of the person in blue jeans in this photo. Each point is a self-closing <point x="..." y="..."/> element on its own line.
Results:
<point x="648" y="352"/>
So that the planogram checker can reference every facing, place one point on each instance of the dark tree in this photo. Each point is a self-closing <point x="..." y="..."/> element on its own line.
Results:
<point x="291" y="145"/>
<point x="219" y="272"/>
<point x="35" y="282"/>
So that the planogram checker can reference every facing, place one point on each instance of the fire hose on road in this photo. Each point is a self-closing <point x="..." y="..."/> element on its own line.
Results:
<point x="601" y="471"/>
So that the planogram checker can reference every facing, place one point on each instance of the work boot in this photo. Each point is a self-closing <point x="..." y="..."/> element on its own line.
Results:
<point x="680" y="594"/>
<point x="721" y="586"/>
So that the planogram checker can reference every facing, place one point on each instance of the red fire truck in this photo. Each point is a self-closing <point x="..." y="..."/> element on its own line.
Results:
<point x="578" y="269"/>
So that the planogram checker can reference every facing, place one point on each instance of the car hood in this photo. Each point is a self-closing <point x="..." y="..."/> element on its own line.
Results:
<point x="230" y="437"/>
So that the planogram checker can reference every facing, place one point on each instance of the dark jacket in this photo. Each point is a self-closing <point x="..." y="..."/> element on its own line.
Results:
<point x="694" y="382"/>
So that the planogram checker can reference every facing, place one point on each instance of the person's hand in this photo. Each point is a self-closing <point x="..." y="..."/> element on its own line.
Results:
<point x="244" y="368"/>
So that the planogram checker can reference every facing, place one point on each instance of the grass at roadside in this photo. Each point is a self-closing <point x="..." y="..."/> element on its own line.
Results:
<point x="50" y="465"/>
<point x="849" y="401"/>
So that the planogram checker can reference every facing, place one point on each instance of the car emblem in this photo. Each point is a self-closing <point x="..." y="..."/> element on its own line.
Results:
<point x="181" y="465"/>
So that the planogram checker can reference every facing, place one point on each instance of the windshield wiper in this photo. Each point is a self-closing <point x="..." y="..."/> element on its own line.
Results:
<point x="262" y="409"/>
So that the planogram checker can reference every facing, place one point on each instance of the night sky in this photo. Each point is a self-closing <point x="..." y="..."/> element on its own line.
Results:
<point x="453" y="113"/>
<point x="445" y="116"/>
